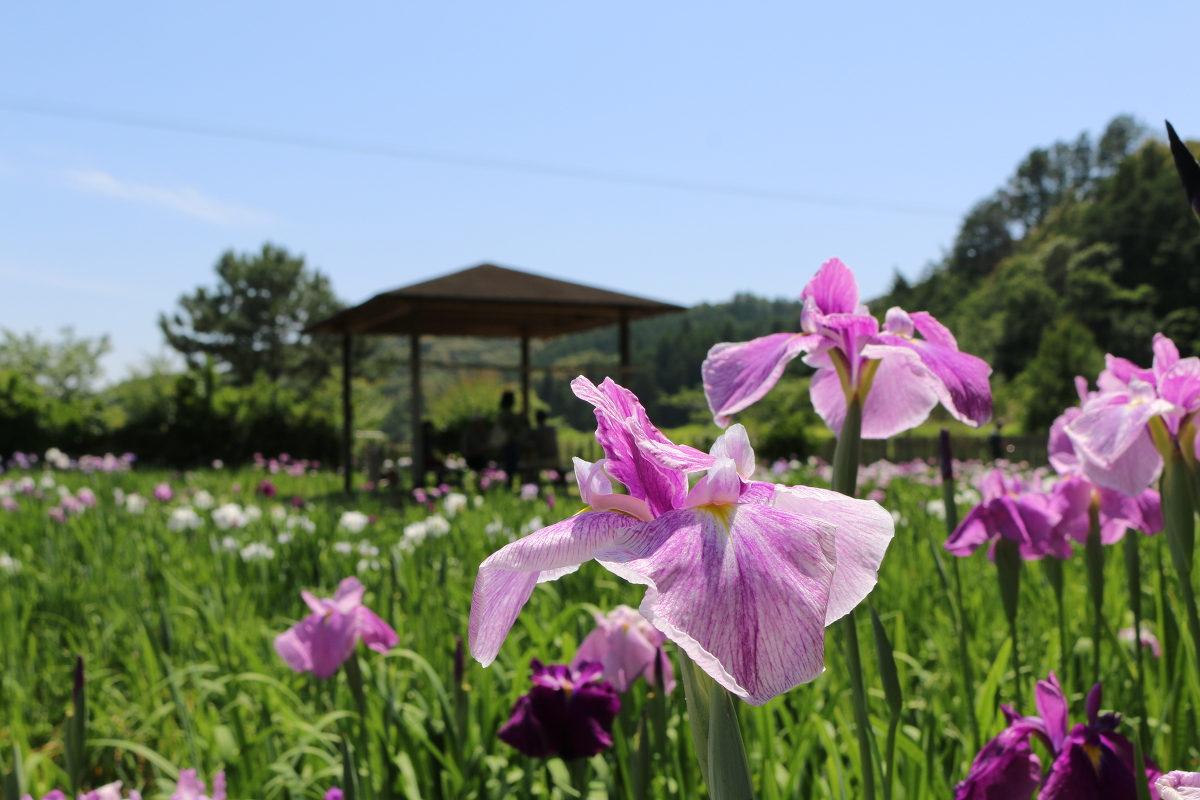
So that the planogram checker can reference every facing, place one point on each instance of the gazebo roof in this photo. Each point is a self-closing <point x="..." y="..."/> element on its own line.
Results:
<point x="487" y="300"/>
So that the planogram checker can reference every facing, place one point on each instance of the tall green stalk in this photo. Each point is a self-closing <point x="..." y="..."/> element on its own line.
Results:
<point x="1094" y="557"/>
<point x="1008" y="571"/>
<point x="845" y="481"/>
<point x="1053" y="568"/>
<point x="716" y="734"/>
<point x="1133" y="576"/>
<point x="1179" y="523"/>
<point x="949" y="490"/>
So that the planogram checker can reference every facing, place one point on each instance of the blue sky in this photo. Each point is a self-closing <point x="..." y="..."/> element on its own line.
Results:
<point x="894" y="117"/>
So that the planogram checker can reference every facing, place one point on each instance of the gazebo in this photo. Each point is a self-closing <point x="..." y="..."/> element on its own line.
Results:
<point x="484" y="300"/>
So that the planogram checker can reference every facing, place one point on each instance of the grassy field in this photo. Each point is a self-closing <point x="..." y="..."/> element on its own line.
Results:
<point x="176" y="627"/>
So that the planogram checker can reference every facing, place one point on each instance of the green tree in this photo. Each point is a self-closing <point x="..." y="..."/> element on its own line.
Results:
<point x="1067" y="349"/>
<point x="252" y="320"/>
<point x="65" y="369"/>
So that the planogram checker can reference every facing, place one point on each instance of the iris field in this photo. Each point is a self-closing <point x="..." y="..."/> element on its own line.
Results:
<point x="175" y="623"/>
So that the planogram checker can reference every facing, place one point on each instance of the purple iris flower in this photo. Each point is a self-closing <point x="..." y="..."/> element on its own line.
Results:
<point x="743" y="575"/>
<point x="191" y="787"/>
<point x="1077" y="494"/>
<point x="627" y="646"/>
<point x="898" y="376"/>
<point x="1012" y="509"/>
<point x="1089" y="761"/>
<point x="323" y="640"/>
<point x="163" y="492"/>
<point x="1114" y="433"/>
<point x="568" y="712"/>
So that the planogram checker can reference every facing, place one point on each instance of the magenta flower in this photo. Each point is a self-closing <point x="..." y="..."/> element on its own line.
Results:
<point x="86" y="496"/>
<point x="191" y="787"/>
<point x="1145" y="638"/>
<point x="333" y="793"/>
<point x="266" y="488"/>
<point x="627" y="646"/>
<point x="53" y="794"/>
<point x="743" y="575"/>
<point x="898" y="376"/>
<point x="1112" y="434"/>
<point x="1011" y="509"/>
<point x="322" y="641"/>
<point x="1089" y="761"/>
<point x="58" y="514"/>
<point x="163" y="492"/>
<point x="568" y="712"/>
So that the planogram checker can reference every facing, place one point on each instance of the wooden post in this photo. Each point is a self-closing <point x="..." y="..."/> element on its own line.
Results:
<point x="623" y="347"/>
<point x="418" y="445"/>
<point x="347" y="415"/>
<point x="525" y="377"/>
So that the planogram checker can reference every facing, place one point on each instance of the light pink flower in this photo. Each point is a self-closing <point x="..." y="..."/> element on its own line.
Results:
<point x="627" y="646"/>
<point x="191" y="787"/>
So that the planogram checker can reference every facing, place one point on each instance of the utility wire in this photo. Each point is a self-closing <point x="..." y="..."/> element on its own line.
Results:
<point x="131" y="120"/>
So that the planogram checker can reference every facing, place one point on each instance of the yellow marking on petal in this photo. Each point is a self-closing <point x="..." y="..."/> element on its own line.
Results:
<point x="723" y="513"/>
<point x="580" y="511"/>
<point x="1093" y="754"/>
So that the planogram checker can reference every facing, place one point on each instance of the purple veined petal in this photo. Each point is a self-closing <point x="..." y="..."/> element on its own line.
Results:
<point x="591" y="479"/>
<point x="507" y="577"/>
<point x="671" y="456"/>
<point x="959" y="380"/>
<point x="897" y="322"/>
<point x="864" y="530"/>
<point x="973" y="531"/>
<point x="595" y="489"/>
<point x="617" y="411"/>
<point x="833" y="288"/>
<point x="295" y="651"/>
<point x="1118" y="513"/>
<point x="1005" y="769"/>
<point x="622" y="649"/>
<point x="1073" y="498"/>
<point x="1131" y="472"/>
<point x="1062" y="452"/>
<point x="757" y="493"/>
<point x="734" y="444"/>
<point x="1109" y="425"/>
<point x="1038" y="518"/>
<point x="1054" y="709"/>
<point x="376" y="634"/>
<point x="898" y="401"/>
<point x="317" y="605"/>
<point x="1150" y="508"/>
<point x="1166" y="354"/>
<point x="721" y="486"/>
<point x="737" y="375"/>
<point x="1178" y="785"/>
<point x="331" y="640"/>
<point x="742" y="589"/>
<point x="934" y="332"/>
<point x="1180" y="385"/>
<point x="349" y="595"/>
<point x="849" y="333"/>
<point x="1119" y="372"/>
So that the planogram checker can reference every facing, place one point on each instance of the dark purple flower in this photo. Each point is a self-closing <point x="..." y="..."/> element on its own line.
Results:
<point x="266" y="488"/>
<point x="568" y="712"/>
<point x="298" y="502"/>
<point x="1090" y="761"/>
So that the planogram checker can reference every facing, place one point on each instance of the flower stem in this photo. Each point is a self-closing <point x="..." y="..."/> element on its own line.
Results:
<point x="1133" y="575"/>
<point x="1094" y="557"/>
<point x="845" y="481"/>
<point x="1179" y="523"/>
<point x="949" y="490"/>
<point x="1054" y="574"/>
<point x="716" y="735"/>
<point x="1008" y="571"/>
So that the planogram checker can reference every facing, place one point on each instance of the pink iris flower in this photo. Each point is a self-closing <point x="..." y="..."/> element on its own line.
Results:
<point x="1114" y="433"/>
<point x="323" y="640"/>
<point x="1179" y="785"/>
<point x="627" y="646"/>
<point x="191" y="787"/>
<point x="742" y="575"/>
<point x="1011" y="509"/>
<point x="1077" y="494"/>
<point x="163" y="492"/>
<point x="1091" y="760"/>
<point x="897" y="375"/>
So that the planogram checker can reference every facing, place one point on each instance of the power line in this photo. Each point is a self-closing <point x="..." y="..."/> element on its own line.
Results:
<point x="131" y="120"/>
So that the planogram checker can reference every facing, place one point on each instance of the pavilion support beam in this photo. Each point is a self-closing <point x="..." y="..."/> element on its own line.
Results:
<point x="525" y="377"/>
<point x="418" y="444"/>
<point x="623" y="348"/>
<point x="347" y="414"/>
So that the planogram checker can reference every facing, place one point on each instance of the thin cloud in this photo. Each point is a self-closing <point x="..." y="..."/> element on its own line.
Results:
<point x="40" y="277"/>
<point x="185" y="200"/>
